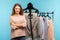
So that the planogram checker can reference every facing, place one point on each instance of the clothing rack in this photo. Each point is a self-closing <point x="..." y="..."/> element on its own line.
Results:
<point x="30" y="8"/>
<point x="47" y="14"/>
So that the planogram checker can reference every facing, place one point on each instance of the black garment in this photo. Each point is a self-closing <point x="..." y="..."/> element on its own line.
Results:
<point x="19" y="38"/>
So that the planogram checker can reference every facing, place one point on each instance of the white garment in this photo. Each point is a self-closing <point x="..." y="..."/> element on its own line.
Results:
<point x="25" y="14"/>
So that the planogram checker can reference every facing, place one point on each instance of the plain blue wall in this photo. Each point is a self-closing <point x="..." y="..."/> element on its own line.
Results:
<point x="42" y="5"/>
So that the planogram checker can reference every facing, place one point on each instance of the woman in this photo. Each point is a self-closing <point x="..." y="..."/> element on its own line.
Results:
<point x="17" y="23"/>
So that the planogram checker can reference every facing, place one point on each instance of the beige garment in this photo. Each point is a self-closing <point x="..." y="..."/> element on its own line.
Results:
<point x="50" y="30"/>
<point x="21" y="21"/>
<point x="35" y="23"/>
<point x="25" y="14"/>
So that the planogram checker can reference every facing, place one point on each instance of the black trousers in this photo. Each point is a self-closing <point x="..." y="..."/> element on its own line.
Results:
<point x="19" y="38"/>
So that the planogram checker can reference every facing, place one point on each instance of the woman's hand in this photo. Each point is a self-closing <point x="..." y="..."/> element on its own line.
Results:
<point x="13" y="25"/>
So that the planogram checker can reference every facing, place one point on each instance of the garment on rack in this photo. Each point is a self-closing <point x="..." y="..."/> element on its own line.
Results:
<point x="47" y="29"/>
<point x="41" y="27"/>
<point x="25" y="14"/>
<point x="35" y="23"/>
<point x="50" y="30"/>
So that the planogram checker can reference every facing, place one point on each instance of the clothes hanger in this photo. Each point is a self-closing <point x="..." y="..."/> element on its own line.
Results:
<point x="48" y="16"/>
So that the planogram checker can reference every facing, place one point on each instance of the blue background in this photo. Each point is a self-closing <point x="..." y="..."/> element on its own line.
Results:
<point x="43" y="6"/>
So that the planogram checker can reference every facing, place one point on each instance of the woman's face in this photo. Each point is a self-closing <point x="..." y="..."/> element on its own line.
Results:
<point x="17" y="9"/>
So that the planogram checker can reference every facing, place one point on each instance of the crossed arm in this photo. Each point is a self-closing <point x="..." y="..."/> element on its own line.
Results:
<point x="17" y="25"/>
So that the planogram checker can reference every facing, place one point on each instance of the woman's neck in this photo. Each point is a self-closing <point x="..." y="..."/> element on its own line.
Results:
<point x="17" y="14"/>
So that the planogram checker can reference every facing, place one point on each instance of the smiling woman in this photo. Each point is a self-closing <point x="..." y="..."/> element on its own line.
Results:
<point x="17" y="23"/>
